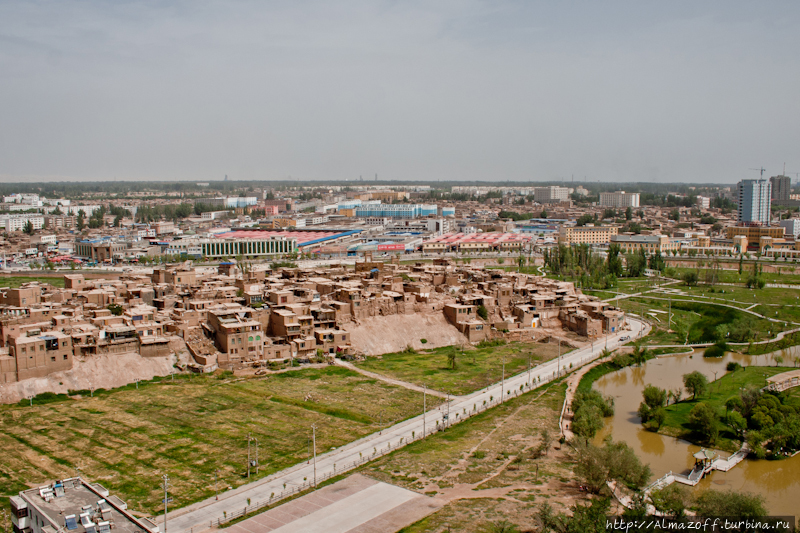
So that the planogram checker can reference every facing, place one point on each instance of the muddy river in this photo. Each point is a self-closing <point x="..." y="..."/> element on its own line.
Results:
<point x="777" y="481"/>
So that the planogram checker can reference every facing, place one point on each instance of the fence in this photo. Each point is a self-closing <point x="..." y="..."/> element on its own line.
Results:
<point x="441" y="424"/>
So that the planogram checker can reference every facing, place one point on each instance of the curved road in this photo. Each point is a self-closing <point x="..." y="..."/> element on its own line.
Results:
<point x="204" y="514"/>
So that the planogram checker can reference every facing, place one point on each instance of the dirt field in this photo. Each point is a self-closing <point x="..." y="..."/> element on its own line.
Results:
<point x="100" y="372"/>
<point x="488" y="467"/>
<point x="386" y="334"/>
<point x="191" y="427"/>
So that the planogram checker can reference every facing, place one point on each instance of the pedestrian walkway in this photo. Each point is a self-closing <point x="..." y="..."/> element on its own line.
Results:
<point x="267" y="491"/>
<point x="356" y="504"/>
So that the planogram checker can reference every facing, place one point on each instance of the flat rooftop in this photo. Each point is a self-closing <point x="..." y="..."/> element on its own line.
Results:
<point x="73" y="497"/>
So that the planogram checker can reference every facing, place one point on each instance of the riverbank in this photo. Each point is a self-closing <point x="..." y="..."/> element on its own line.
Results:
<point x="678" y="420"/>
<point x="777" y="481"/>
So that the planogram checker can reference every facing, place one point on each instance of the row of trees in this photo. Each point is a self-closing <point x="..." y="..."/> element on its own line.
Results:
<point x="594" y="272"/>
<point x="152" y="213"/>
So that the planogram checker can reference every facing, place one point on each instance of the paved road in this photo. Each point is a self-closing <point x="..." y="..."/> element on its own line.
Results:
<point x="201" y="515"/>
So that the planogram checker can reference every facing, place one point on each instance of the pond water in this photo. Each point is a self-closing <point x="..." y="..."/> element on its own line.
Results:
<point x="777" y="481"/>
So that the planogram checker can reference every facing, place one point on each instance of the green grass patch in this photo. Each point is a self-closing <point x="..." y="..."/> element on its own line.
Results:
<point x="14" y="282"/>
<point x="476" y="368"/>
<point x="191" y="427"/>
<point x="677" y="420"/>
<point x="693" y="321"/>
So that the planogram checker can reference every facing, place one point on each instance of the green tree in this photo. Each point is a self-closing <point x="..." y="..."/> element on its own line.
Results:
<point x="730" y="503"/>
<point x="654" y="397"/>
<point x="614" y="261"/>
<point x="696" y="383"/>
<point x="671" y="500"/>
<point x="613" y="461"/>
<point x="499" y="526"/>
<point x="690" y="278"/>
<point x="657" y="262"/>
<point x="81" y="221"/>
<point x="115" y="309"/>
<point x="451" y="359"/>
<point x="28" y="228"/>
<point x="483" y="312"/>
<point x="543" y="214"/>
<point x="628" y="213"/>
<point x="637" y="263"/>
<point x="117" y="221"/>
<point x="704" y="419"/>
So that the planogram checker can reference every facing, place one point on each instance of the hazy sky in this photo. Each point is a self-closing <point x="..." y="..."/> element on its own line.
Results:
<point x="452" y="90"/>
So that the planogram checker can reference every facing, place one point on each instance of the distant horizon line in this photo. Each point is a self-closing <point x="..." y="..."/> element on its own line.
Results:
<point x="333" y="181"/>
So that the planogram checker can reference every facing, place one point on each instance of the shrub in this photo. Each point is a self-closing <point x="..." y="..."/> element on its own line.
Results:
<point x="424" y="341"/>
<point x="714" y="351"/>
<point x="733" y="366"/>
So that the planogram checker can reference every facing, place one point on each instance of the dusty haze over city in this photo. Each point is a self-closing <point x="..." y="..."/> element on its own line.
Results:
<point x="612" y="91"/>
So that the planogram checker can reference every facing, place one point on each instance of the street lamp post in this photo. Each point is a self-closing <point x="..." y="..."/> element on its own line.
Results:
<point x="314" y="439"/>
<point x="248" y="456"/>
<point x="424" y="409"/>
<point x="503" y="382"/>
<point x="166" y="500"/>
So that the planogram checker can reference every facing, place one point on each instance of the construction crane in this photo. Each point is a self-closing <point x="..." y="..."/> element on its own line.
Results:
<point x="762" y="169"/>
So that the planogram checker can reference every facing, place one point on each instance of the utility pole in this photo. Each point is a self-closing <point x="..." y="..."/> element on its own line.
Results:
<point x="503" y="383"/>
<point x="257" y="465"/>
<point x="448" y="408"/>
<point x="424" y="408"/>
<point x="216" y="482"/>
<point x="166" y="499"/>
<point x="314" y="438"/>
<point x="529" y="369"/>
<point x="248" y="456"/>
<point x="669" y="321"/>
<point x="559" y="357"/>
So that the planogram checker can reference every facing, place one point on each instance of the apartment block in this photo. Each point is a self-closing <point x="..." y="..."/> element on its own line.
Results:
<point x="586" y="234"/>
<point x="619" y="199"/>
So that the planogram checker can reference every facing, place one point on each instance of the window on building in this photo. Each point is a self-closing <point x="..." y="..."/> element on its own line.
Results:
<point x="53" y="359"/>
<point x="65" y="357"/>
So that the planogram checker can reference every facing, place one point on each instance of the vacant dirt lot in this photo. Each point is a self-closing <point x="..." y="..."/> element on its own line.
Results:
<point x="490" y="467"/>
<point x="100" y="372"/>
<point x="386" y="334"/>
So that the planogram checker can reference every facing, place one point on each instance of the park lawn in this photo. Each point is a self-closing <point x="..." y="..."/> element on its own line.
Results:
<point x="781" y="304"/>
<point x="697" y="318"/>
<point x="16" y="281"/>
<point x="475" y="369"/>
<point x="677" y="421"/>
<point x="790" y="273"/>
<point x="190" y="427"/>
<point x="602" y="294"/>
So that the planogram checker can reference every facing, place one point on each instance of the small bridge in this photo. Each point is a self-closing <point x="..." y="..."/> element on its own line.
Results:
<point x="699" y="471"/>
<point x="783" y="381"/>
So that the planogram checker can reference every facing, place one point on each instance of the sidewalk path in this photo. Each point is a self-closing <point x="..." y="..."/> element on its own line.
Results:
<point x="392" y="381"/>
<point x="248" y="498"/>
